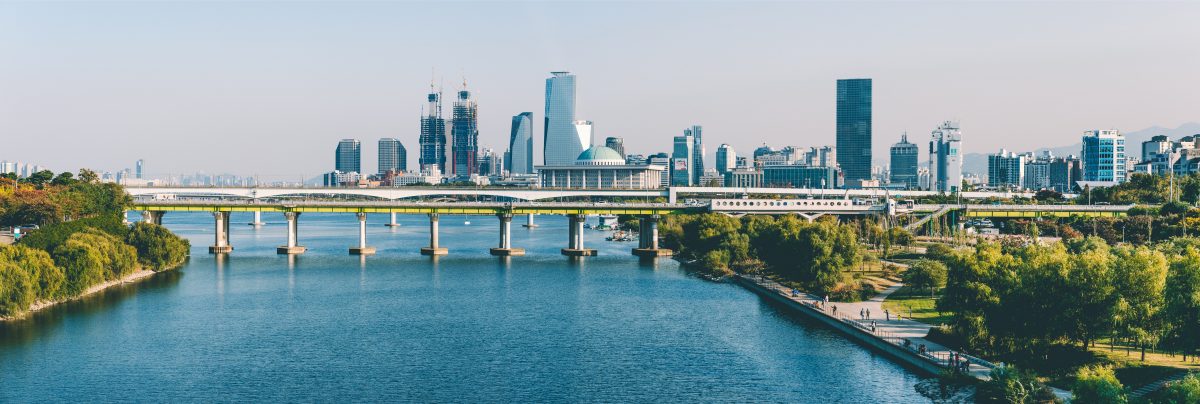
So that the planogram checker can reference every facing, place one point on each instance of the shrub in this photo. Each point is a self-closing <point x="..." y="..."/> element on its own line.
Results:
<point x="47" y="277"/>
<point x="157" y="248"/>
<point x="16" y="289"/>
<point x="48" y="238"/>
<point x="1098" y="384"/>
<point x="1182" y="391"/>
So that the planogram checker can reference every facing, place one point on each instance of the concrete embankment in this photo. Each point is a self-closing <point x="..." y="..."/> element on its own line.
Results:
<point x="903" y="355"/>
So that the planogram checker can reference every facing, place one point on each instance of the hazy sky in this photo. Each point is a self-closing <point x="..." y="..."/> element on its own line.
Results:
<point x="269" y="88"/>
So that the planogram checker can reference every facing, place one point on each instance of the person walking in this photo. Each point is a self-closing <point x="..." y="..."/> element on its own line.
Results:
<point x="868" y="313"/>
<point x="887" y="314"/>
<point x="862" y="314"/>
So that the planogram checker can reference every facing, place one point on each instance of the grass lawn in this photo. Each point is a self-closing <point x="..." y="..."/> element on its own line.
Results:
<point x="918" y="302"/>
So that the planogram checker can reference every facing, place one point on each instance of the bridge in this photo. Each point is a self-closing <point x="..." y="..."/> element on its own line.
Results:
<point x="221" y="205"/>
<point x="671" y="194"/>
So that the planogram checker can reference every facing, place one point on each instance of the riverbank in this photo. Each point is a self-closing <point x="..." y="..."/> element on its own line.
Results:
<point x="41" y="305"/>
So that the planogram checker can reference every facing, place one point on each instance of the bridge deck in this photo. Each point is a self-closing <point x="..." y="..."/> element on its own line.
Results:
<point x="460" y="208"/>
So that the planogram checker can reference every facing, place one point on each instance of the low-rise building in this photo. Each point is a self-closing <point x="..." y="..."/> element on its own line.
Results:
<point x="601" y="168"/>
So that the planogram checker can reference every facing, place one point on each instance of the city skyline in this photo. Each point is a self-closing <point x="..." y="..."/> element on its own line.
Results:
<point x="1020" y="90"/>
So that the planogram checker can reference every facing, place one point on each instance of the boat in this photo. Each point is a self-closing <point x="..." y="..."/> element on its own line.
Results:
<point x="467" y="223"/>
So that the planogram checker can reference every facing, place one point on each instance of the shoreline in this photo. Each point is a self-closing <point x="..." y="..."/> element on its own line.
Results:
<point x="41" y="305"/>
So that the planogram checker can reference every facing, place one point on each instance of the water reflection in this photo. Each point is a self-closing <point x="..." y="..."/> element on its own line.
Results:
<point x="46" y="322"/>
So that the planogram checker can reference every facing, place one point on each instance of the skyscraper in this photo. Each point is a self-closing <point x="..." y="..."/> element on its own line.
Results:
<point x="697" y="152"/>
<point x="1006" y="170"/>
<point x="392" y="156"/>
<point x="464" y="129"/>
<point x="1104" y="156"/>
<point x="586" y="134"/>
<point x="519" y="157"/>
<point x="945" y="158"/>
<point x="433" y="134"/>
<point x="562" y="143"/>
<point x="681" y="161"/>
<point x="615" y="143"/>
<point x="854" y="128"/>
<point x="903" y="166"/>
<point x="139" y="169"/>
<point x="348" y="157"/>
<point x="726" y="158"/>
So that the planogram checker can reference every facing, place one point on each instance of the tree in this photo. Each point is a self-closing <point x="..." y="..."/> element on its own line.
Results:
<point x="16" y="289"/>
<point x="1182" y="295"/>
<point x="40" y="178"/>
<point x="926" y="274"/>
<point x="1098" y="385"/>
<point x="1186" y="390"/>
<point x="1010" y="385"/>
<point x="63" y="179"/>
<point x="1048" y="195"/>
<point x="88" y="176"/>
<point x="47" y="277"/>
<point x="1140" y="277"/>
<point x="157" y="248"/>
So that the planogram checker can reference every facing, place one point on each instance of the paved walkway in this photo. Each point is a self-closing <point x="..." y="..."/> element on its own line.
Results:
<point x="894" y="330"/>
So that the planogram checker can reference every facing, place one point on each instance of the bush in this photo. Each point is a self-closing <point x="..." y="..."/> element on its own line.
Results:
<point x="16" y="289"/>
<point x="48" y="238"/>
<point x="1098" y="384"/>
<point x="47" y="277"/>
<point x="1010" y="385"/>
<point x="926" y="274"/>
<point x="1182" y="391"/>
<point x="157" y="248"/>
<point x="90" y="257"/>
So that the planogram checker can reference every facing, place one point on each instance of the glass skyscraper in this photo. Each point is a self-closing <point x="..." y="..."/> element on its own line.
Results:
<point x="348" y="158"/>
<point x="854" y="129"/>
<point x="681" y="161"/>
<point x="945" y="158"/>
<point x="464" y="129"/>
<point x="615" y="143"/>
<point x="697" y="152"/>
<point x="1104" y="156"/>
<point x="519" y="157"/>
<point x="562" y="143"/>
<point x="433" y="134"/>
<point x="726" y="158"/>
<point x="903" y="161"/>
<point x="392" y="156"/>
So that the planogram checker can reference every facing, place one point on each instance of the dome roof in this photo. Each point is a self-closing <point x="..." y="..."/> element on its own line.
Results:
<point x="599" y="155"/>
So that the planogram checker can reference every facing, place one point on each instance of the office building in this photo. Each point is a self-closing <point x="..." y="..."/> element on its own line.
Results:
<point x="681" y="161"/>
<point x="1104" y="156"/>
<point x="615" y="143"/>
<point x="854" y="128"/>
<point x="1006" y="170"/>
<point x="726" y="158"/>
<point x="600" y="167"/>
<point x="662" y="160"/>
<point x="348" y="157"/>
<point x="744" y="177"/>
<point x="138" y="168"/>
<point x="392" y="156"/>
<point x="432" y="142"/>
<point x="799" y="176"/>
<point x="490" y="163"/>
<point x="585" y="132"/>
<point x="1064" y="173"/>
<point x="464" y="130"/>
<point x="562" y="142"/>
<point x="697" y="151"/>
<point x="519" y="157"/>
<point x="902" y="167"/>
<point x="945" y="158"/>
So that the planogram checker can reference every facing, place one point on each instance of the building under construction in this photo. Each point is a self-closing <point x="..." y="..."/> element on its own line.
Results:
<point x="464" y="129"/>
<point x="433" y="134"/>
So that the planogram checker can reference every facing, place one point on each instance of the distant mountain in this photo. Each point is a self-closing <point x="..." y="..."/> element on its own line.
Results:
<point x="977" y="162"/>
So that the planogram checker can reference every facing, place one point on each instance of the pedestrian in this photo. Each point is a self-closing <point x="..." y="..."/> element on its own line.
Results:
<point x="835" y="310"/>
<point x="861" y="314"/>
<point x="868" y="314"/>
<point x="887" y="314"/>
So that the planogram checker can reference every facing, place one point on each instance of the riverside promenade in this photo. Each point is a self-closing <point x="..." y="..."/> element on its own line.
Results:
<point x="901" y="338"/>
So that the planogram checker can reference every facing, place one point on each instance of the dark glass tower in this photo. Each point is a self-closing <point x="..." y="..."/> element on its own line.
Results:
<point x="904" y="163"/>
<point x="392" y="156"/>
<point x="854" y="128"/>
<point x="464" y="129"/>
<point x="433" y="134"/>
<point x="519" y="157"/>
<point x="348" y="158"/>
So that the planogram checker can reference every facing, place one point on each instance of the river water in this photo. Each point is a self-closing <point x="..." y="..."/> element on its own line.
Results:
<point x="398" y="326"/>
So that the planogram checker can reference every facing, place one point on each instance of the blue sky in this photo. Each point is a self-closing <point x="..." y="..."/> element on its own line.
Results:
<point x="268" y="88"/>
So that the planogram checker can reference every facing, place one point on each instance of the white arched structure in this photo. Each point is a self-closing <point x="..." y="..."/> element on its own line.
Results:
<point x="526" y="194"/>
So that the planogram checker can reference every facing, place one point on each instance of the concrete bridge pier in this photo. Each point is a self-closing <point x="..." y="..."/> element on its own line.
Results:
<point x="433" y="248"/>
<point x="505" y="249"/>
<point x="648" y="239"/>
<point x="362" y="248"/>
<point x="153" y="216"/>
<point x="811" y="217"/>
<point x="575" y="237"/>
<point x="293" y="235"/>
<point x="221" y="239"/>
<point x="257" y="219"/>
<point x="529" y="222"/>
<point x="392" y="223"/>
